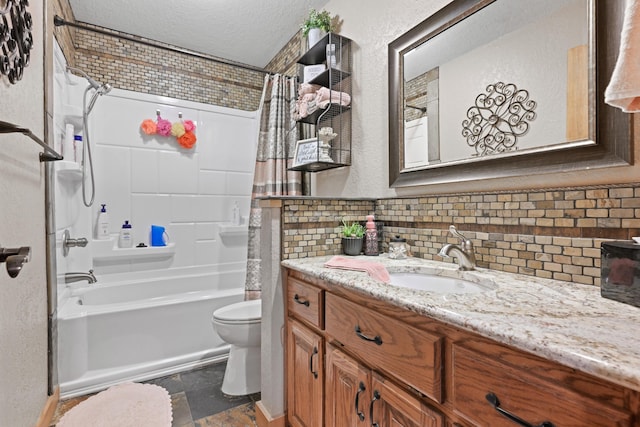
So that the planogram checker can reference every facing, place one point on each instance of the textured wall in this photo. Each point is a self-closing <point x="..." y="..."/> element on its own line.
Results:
<point x="372" y="25"/>
<point x="368" y="174"/>
<point x="23" y="300"/>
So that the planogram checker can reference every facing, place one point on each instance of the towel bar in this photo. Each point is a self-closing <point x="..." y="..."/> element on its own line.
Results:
<point x="49" y="154"/>
<point x="15" y="259"/>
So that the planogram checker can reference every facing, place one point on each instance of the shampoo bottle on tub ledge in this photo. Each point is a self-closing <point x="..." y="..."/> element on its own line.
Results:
<point x="103" y="224"/>
<point x="126" y="239"/>
<point x="235" y="214"/>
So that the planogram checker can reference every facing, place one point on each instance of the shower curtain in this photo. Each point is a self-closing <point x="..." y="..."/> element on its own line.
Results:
<point x="276" y="146"/>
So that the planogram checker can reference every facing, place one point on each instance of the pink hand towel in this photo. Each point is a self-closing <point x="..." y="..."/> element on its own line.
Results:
<point x="624" y="88"/>
<point x="373" y="269"/>
<point x="325" y="96"/>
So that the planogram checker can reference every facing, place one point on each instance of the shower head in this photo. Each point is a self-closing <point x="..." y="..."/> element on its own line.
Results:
<point x="94" y="84"/>
<point x="105" y="89"/>
<point x="102" y="90"/>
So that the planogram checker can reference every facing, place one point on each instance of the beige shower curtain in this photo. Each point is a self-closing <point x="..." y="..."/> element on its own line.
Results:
<point x="276" y="145"/>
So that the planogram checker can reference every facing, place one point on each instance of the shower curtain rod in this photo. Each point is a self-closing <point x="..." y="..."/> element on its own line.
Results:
<point x="58" y="21"/>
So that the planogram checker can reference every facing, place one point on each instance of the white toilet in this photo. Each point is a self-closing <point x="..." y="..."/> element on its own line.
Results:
<point x="239" y="325"/>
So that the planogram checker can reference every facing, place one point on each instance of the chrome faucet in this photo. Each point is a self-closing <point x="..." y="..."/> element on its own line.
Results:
<point x="79" y="276"/>
<point x="464" y="252"/>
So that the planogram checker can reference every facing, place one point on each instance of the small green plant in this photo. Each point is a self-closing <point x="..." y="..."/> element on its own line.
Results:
<point x="316" y="19"/>
<point x="353" y="229"/>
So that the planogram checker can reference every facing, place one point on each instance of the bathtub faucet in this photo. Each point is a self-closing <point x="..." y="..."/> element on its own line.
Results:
<point x="78" y="276"/>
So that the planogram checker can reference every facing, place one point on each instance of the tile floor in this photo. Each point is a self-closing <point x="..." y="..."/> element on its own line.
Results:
<point x="197" y="400"/>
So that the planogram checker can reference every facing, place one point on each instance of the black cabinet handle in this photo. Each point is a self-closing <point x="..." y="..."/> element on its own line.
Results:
<point x="297" y="299"/>
<point x="315" y="373"/>
<point x="493" y="400"/>
<point x="376" y="396"/>
<point x="375" y="339"/>
<point x="361" y="388"/>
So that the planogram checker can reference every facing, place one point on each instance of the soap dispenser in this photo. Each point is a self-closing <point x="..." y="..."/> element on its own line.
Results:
<point x="371" y="237"/>
<point x="103" y="224"/>
<point x="126" y="239"/>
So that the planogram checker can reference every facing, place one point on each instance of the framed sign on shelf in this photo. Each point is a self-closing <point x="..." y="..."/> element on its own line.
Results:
<point x="306" y="152"/>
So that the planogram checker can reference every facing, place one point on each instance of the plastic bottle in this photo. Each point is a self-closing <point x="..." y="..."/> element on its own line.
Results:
<point x="68" y="150"/>
<point x="371" y="237"/>
<point x="235" y="219"/>
<point x="77" y="148"/>
<point x="126" y="239"/>
<point x="103" y="224"/>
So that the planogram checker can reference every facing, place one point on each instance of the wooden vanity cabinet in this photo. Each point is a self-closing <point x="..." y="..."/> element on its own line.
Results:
<point x="304" y="354"/>
<point x="411" y="370"/>
<point x="358" y="396"/>
<point x="348" y="390"/>
<point x="412" y="356"/>
<point x="517" y="386"/>
<point x="305" y="372"/>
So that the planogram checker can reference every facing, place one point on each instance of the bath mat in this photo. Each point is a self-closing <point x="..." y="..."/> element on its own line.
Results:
<point x="123" y="405"/>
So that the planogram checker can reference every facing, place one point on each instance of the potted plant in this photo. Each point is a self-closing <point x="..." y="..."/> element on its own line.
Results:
<point x="315" y="24"/>
<point x="352" y="237"/>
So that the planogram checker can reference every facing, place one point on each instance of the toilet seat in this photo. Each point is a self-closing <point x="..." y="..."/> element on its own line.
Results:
<point x="240" y="312"/>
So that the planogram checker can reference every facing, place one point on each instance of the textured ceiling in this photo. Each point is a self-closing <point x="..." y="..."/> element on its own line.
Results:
<point x="246" y="31"/>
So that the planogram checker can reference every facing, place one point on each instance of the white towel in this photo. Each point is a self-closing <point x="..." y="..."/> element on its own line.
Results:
<point x="624" y="88"/>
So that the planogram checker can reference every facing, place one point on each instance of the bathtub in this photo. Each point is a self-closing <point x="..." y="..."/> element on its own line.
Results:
<point x="141" y="329"/>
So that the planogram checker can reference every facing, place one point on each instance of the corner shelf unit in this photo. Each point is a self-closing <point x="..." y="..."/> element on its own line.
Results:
<point x="337" y="115"/>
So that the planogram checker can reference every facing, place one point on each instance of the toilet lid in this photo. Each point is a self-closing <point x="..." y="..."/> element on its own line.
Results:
<point x="240" y="311"/>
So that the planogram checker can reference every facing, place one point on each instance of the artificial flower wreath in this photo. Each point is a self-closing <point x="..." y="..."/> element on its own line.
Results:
<point x="183" y="131"/>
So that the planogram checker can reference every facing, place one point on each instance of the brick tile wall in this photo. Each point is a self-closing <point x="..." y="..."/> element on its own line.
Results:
<point x="137" y="67"/>
<point x="64" y="35"/>
<point x="285" y="61"/>
<point x="311" y="227"/>
<point x="553" y="234"/>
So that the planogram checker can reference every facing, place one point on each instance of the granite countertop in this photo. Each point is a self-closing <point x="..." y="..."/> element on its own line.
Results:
<point x="565" y="322"/>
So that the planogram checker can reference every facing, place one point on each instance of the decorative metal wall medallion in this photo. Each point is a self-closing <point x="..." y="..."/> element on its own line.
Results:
<point x="16" y="40"/>
<point x="499" y="117"/>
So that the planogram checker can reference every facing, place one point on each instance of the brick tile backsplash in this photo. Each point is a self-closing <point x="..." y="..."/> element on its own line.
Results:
<point x="552" y="234"/>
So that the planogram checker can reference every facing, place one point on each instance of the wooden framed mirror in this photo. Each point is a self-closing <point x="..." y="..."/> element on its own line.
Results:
<point x="441" y="116"/>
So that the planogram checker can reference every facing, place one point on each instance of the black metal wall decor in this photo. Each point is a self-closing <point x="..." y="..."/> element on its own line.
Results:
<point x="499" y="117"/>
<point x="16" y="40"/>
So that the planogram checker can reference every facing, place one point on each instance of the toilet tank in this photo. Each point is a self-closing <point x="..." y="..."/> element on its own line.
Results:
<point x="619" y="271"/>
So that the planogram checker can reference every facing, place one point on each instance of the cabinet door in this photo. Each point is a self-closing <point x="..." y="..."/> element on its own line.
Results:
<point x="392" y="406"/>
<point x="305" y="376"/>
<point x="347" y="391"/>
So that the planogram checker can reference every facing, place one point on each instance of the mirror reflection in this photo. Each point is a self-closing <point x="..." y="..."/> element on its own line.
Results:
<point x="510" y="79"/>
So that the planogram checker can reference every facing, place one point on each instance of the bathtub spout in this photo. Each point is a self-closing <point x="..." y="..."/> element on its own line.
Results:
<point x="78" y="276"/>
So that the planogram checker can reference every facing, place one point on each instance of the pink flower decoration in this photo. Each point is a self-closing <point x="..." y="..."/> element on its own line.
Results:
<point x="148" y="126"/>
<point x="189" y="126"/>
<point x="177" y="129"/>
<point x="163" y="127"/>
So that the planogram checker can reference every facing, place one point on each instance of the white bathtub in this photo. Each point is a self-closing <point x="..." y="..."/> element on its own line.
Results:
<point x="142" y="329"/>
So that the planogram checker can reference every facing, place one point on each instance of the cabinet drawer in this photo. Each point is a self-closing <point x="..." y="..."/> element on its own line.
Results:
<point x="412" y="356"/>
<point x="305" y="302"/>
<point x="535" y="400"/>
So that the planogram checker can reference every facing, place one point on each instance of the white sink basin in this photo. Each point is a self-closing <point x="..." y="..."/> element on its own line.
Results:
<point x="433" y="283"/>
